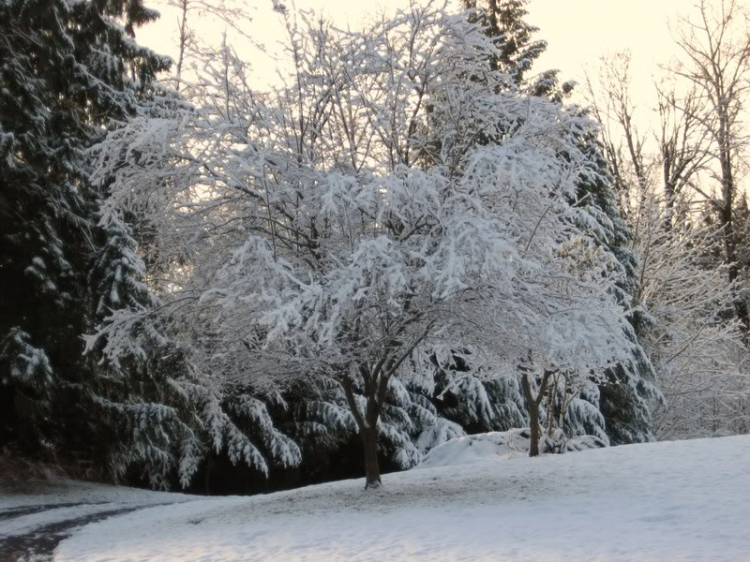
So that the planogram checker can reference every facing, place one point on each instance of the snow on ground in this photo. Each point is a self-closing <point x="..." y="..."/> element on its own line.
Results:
<point x="72" y="491"/>
<point x="663" y="502"/>
<point x="497" y="445"/>
<point x="35" y="522"/>
<point x="475" y="448"/>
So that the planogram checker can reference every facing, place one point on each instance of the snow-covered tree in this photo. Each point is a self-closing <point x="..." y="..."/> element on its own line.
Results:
<point x="715" y="61"/>
<point x="346" y="223"/>
<point x="504" y="24"/>
<point x="67" y="68"/>
<point x="684" y="315"/>
<point x="694" y="340"/>
<point x="626" y="388"/>
<point x="70" y="71"/>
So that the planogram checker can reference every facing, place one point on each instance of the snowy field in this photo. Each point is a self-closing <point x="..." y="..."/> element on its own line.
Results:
<point x="665" y="502"/>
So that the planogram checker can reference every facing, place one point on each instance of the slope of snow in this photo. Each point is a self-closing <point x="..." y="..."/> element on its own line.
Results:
<point x="673" y="501"/>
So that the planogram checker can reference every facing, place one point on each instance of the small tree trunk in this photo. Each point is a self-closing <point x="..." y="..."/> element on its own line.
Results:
<point x="535" y="430"/>
<point x="551" y="407"/>
<point x="372" y="467"/>
<point x="533" y="403"/>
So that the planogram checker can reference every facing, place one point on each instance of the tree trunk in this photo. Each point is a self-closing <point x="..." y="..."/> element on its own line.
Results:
<point x="670" y="196"/>
<point x="367" y="423"/>
<point x="551" y="407"/>
<point x="533" y="403"/>
<point x="369" y="437"/>
<point x="535" y="430"/>
<point x="728" y="189"/>
<point x="207" y="475"/>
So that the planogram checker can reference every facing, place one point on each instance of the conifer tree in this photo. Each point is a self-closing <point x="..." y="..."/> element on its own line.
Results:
<point x="68" y="68"/>
<point x="512" y="36"/>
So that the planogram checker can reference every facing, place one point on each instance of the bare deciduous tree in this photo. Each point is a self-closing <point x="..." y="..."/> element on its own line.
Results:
<point x="226" y="12"/>
<point x="693" y="338"/>
<point x="715" y="61"/>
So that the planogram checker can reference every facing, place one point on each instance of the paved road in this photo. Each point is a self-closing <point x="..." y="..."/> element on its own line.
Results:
<point x="38" y="543"/>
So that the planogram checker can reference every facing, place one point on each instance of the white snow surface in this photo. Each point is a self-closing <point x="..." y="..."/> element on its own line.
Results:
<point x="494" y="446"/>
<point x="476" y="448"/>
<point x="661" y="502"/>
<point x="73" y="491"/>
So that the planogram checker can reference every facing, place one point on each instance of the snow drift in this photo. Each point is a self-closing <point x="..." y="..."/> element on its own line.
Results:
<point x="500" y="445"/>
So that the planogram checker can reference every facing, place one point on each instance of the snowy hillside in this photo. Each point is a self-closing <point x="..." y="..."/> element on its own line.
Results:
<point x="671" y="501"/>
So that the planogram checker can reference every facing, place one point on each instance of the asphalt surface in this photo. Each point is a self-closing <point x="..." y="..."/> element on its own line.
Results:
<point x="39" y="544"/>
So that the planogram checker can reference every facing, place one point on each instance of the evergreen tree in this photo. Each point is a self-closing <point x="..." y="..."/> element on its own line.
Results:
<point x="513" y="37"/>
<point x="476" y="403"/>
<point x="517" y="46"/>
<point x="624" y="391"/>
<point x="68" y="68"/>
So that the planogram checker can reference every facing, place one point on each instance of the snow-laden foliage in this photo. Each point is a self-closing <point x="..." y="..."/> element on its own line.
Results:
<point x="695" y="344"/>
<point x="70" y="71"/>
<point x="67" y="69"/>
<point x="582" y="415"/>
<point x="517" y="49"/>
<point x="281" y="448"/>
<point x="118" y="271"/>
<point x="469" y="398"/>
<point x="342" y="224"/>
<point x="28" y="364"/>
<point x="676" y="185"/>
<point x="322" y="422"/>
<point x="177" y="417"/>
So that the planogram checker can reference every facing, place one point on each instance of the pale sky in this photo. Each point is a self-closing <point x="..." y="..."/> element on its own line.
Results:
<point x="579" y="32"/>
